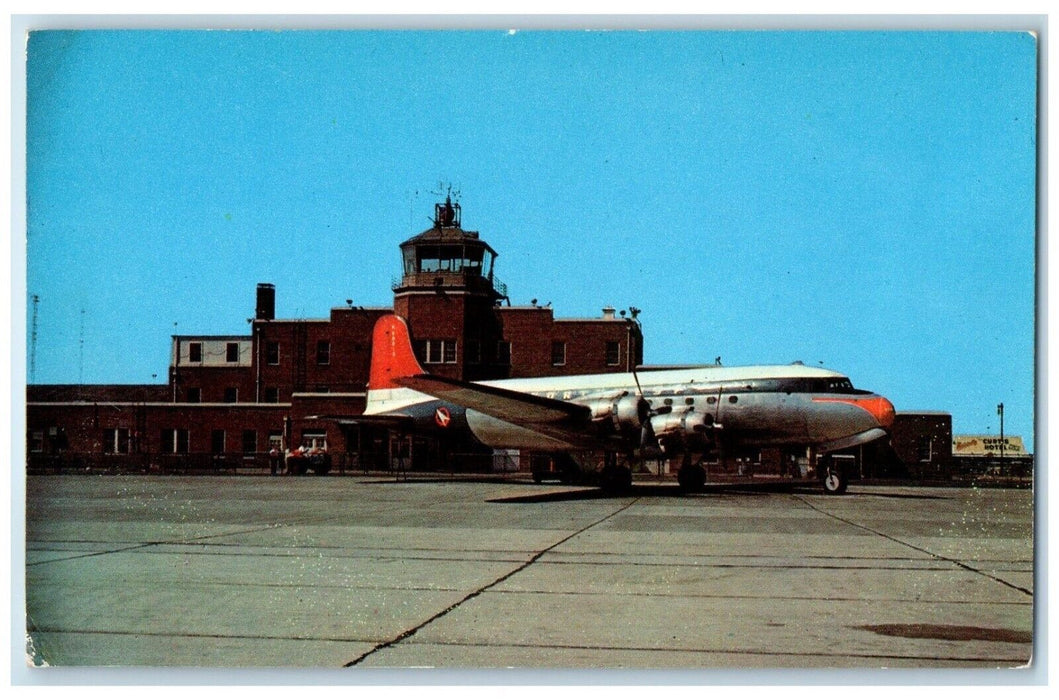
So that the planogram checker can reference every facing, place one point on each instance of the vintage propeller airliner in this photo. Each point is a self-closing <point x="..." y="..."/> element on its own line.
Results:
<point x="682" y="412"/>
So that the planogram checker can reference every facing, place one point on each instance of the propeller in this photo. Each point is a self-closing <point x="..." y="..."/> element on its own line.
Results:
<point x="647" y="432"/>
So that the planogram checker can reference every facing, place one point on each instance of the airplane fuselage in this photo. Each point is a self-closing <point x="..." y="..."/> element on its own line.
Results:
<point x="762" y="406"/>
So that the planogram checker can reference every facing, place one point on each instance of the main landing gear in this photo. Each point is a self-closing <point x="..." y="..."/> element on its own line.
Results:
<point x="691" y="476"/>
<point x="616" y="477"/>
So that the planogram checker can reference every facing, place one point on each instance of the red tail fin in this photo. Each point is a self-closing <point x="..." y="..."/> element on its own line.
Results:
<point x="391" y="353"/>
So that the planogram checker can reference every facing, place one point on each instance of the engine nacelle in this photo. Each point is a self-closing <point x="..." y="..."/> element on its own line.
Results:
<point x="686" y="424"/>
<point x="622" y="412"/>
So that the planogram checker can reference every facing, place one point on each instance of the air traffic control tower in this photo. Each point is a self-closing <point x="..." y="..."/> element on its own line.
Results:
<point x="448" y="292"/>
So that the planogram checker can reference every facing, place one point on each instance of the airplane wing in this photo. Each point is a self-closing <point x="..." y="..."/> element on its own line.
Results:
<point x="852" y="440"/>
<point x="512" y="406"/>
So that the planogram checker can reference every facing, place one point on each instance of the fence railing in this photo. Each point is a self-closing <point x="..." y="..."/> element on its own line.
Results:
<point x="260" y="463"/>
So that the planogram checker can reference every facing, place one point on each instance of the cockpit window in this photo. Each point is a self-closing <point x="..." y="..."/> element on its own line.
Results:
<point x="820" y="385"/>
<point x="797" y="385"/>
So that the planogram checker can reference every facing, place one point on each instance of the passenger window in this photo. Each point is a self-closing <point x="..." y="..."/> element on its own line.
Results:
<point x="733" y="399"/>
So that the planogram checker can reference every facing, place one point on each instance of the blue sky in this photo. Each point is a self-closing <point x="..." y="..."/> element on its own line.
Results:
<point x="861" y="199"/>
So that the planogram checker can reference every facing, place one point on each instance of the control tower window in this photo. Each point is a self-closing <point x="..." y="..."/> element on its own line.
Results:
<point x="450" y="258"/>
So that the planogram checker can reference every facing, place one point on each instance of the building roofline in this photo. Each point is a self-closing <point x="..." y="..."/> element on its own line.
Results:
<point x="616" y="319"/>
<point x="923" y="413"/>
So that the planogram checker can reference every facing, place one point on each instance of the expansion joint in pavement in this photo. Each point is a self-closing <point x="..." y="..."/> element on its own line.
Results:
<point x="144" y="545"/>
<point x="922" y="550"/>
<point x="474" y="594"/>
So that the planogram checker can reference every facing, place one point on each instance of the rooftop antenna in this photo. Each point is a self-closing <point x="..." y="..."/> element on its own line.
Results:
<point x="412" y="197"/>
<point x="33" y="342"/>
<point x="446" y="190"/>
<point x="448" y="214"/>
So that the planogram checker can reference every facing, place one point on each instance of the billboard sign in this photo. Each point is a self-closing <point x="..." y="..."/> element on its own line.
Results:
<point x="987" y="446"/>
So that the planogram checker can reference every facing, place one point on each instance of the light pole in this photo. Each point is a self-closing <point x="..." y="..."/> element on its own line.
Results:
<point x="1000" y="412"/>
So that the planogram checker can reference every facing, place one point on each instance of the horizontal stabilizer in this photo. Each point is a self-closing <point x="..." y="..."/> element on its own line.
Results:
<point x="382" y="420"/>
<point x="852" y="440"/>
<point x="511" y="406"/>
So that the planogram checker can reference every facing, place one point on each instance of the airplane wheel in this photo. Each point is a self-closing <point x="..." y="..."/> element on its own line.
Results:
<point x="835" y="481"/>
<point x="691" y="477"/>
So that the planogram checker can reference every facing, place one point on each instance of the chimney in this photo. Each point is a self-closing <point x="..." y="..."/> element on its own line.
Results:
<point x="266" y="302"/>
<point x="608" y="313"/>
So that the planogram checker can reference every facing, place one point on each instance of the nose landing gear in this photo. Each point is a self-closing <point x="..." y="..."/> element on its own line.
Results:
<point x="832" y="477"/>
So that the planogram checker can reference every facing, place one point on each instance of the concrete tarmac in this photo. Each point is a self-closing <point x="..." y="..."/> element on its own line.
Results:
<point x="358" y="572"/>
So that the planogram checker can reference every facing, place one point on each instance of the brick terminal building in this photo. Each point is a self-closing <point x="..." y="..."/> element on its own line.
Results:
<point x="230" y="399"/>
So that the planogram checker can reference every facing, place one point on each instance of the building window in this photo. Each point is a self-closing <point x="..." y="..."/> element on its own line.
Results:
<point x="558" y="352"/>
<point x="272" y="352"/>
<point x="438" y="352"/>
<point x="249" y="441"/>
<point x="271" y="394"/>
<point x="613" y="353"/>
<point x="314" y="440"/>
<point x="217" y="442"/>
<point x="231" y="394"/>
<point x="473" y="352"/>
<point x="231" y="352"/>
<point x="36" y="441"/>
<point x="194" y="352"/>
<point x="194" y="394"/>
<point x="924" y="448"/>
<point x="275" y="440"/>
<point x="174" y="441"/>
<point x="503" y="352"/>
<point x="323" y="352"/>
<point x="116" y="441"/>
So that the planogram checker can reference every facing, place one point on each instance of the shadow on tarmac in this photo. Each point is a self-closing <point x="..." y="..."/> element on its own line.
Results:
<point x="671" y="490"/>
<point x="583" y="493"/>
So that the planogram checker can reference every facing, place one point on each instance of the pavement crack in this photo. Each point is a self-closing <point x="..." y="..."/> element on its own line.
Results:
<point x="939" y="557"/>
<point x="474" y="594"/>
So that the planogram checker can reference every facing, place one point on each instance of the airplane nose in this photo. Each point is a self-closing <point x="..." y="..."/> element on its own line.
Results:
<point x="882" y="409"/>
